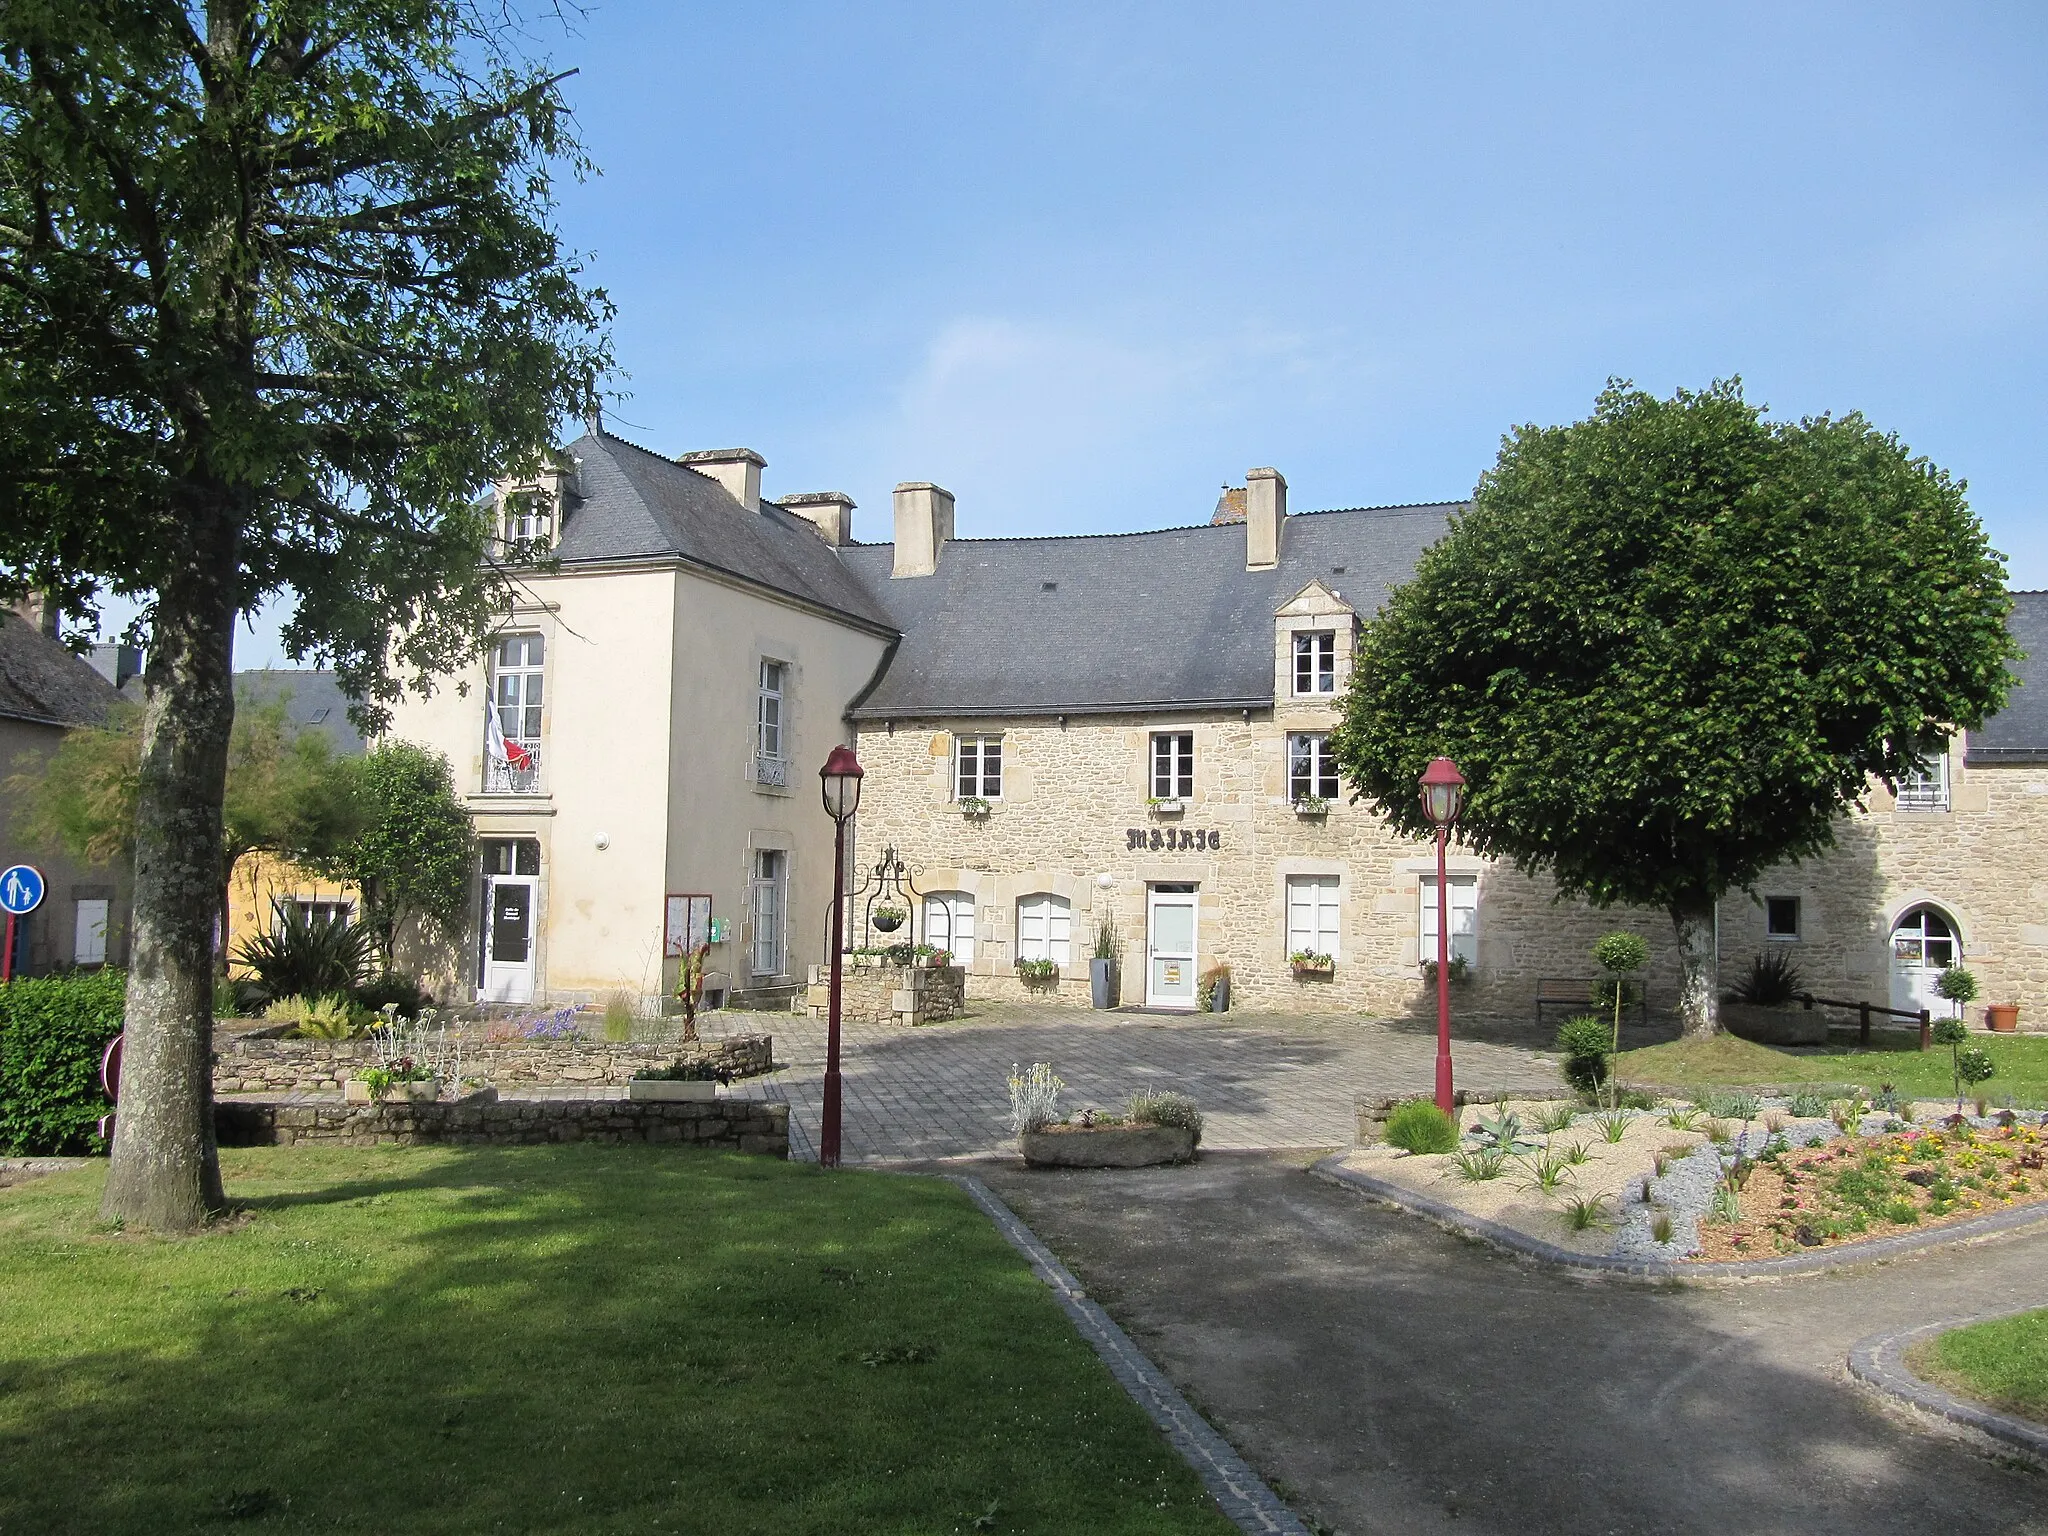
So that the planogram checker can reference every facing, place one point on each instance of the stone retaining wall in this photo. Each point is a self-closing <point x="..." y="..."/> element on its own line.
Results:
<point x="740" y="1125"/>
<point x="242" y="1065"/>
<point x="890" y="994"/>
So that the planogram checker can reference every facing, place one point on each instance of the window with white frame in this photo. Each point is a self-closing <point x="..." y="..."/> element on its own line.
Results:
<point x="1315" y="661"/>
<point x="1312" y="914"/>
<point x="768" y="711"/>
<point x="1311" y="769"/>
<point x="1044" y="924"/>
<point x="525" y="516"/>
<point x="770" y="899"/>
<point x="1464" y="902"/>
<point x="1926" y="789"/>
<point x="314" y="910"/>
<point x="1173" y="765"/>
<point x="517" y="678"/>
<point x="949" y="923"/>
<point x="977" y="767"/>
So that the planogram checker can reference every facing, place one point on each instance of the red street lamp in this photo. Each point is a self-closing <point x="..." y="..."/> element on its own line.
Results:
<point x="1443" y="792"/>
<point x="841" y="778"/>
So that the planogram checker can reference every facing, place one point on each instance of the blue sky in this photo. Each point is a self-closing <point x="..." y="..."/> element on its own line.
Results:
<point x="1083" y="264"/>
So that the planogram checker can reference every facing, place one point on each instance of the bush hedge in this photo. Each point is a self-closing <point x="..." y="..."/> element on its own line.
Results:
<point x="53" y="1030"/>
<point x="1419" y="1126"/>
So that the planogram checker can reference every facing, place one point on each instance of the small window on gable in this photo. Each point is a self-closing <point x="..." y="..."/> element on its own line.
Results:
<point x="1173" y="765"/>
<point x="1781" y="917"/>
<point x="1315" y="661"/>
<point x="977" y="767"/>
<point x="526" y="517"/>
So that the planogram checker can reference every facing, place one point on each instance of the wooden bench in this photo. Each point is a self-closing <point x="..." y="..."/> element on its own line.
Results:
<point x="1576" y="995"/>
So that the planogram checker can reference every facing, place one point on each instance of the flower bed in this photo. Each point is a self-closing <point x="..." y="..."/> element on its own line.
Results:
<point x="1734" y="1179"/>
<point x="1848" y="1188"/>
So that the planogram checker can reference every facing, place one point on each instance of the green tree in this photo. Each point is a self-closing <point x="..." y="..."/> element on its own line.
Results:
<point x="415" y="853"/>
<point x="285" y="793"/>
<point x="279" y="295"/>
<point x="1670" y="645"/>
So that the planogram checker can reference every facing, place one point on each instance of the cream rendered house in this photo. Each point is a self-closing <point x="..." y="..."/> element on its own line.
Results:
<point x="665" y="694"/>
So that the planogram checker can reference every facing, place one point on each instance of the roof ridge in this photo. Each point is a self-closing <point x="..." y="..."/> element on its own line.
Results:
<point x="1235" y="529"/>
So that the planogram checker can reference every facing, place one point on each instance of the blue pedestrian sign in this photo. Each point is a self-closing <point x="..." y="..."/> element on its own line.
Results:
<point x="21" y="890"/>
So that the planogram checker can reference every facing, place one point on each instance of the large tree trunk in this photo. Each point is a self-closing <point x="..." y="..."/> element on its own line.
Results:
<point x="165" y="1172"/>
<point x="1699" y="978"/>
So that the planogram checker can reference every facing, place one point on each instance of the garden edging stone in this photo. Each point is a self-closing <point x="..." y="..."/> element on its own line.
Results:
<point x="1239" y="1492"/>
<point x="1879" y="1362"/>
<point x="1849" y="1255"/>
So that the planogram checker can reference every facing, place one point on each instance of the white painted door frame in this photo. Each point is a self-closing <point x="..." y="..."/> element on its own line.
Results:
<point x="1170" y="947"/>
<point x="511" y="926"/>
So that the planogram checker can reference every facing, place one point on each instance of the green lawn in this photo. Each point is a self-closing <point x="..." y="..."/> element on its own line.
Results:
<point x="598" y="1339"/>
<point x="2004" y="1363"/>
<point x="2022" y="1064"/>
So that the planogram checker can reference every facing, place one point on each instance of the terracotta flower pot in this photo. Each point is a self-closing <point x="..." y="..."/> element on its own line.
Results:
<point x="2004" y="1018"/>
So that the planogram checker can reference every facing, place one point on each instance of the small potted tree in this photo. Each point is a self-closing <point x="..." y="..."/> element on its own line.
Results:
<point x="1958" y="986"/>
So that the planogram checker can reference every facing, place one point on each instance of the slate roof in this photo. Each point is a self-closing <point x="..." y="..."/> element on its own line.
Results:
<point x="637" y="505"/>
<point x="43" y="682"/>
<point x="2019" y="732"/>
<point x="1133" y="621"/>
<point x="316" y="702"/>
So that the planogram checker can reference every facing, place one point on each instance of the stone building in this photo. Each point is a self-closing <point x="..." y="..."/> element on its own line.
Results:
<point x="1122" y="735"/>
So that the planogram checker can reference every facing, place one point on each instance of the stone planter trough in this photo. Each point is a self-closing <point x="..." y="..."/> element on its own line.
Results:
<point x="1775" y="1026"/>
<point x="1108" y="1146"/>
<point x="671" y="1090"/>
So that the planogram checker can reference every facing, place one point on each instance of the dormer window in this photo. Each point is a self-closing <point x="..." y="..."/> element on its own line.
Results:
<point x="1315" y="661"/>
<point x="525" y="517"/>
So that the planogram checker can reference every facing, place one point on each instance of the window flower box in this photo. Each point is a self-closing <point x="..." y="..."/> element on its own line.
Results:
<point x="1307" y="964"/>
<point x="1167" y="807"/>
<point x="974" y="807"/>
<point x="1039" y="973"/>
<point x="1308" y="806"/>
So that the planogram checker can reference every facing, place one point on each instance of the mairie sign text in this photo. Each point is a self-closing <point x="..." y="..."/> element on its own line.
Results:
<point x="1170" y="840"/>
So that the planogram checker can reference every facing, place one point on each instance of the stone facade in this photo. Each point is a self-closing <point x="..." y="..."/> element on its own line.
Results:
<point x="1074" y="821"/>
<point x="242" y="1065"/>
<point x="889" y="994"/>
<point x="736" y="1125"/>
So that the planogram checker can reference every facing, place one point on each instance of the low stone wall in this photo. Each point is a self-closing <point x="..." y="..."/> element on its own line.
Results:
<point x="889" y="994"/>
<point x="301" y="1066"/>
<point x="739" y="1125"/>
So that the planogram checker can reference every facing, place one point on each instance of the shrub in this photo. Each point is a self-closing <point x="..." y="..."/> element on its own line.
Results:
<point x="1419" y="1126"/>
<point x="1772" y="980"/>
<point x="53" y="1031"/>
<point x="1585" y="1042"/>
<point x="1956" y="984"/>
<point x="1175" y="1110"/>
<point x="395" y="987"/>
<point x="1620" y="952"/>
<point x="307" y="957"/>
<point x="1034" y="1098"/>
<point x="316" y="1018"/>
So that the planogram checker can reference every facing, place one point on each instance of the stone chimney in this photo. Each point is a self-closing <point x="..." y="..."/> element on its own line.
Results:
<point x="1265" y="515"/>
<point x="737" y="469"/>
<point x="924" y="522"/>
<point x="38" y="611"/>
<point x="830" y="512"/>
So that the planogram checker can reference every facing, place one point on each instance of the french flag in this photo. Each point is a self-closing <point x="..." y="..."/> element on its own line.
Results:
<point x="509" y="753"/>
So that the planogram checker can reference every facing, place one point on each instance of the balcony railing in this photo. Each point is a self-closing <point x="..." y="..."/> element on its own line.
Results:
<point x="772" y="771"/>
<point x="1924" y="792"/>
<point x="503" y="778"/>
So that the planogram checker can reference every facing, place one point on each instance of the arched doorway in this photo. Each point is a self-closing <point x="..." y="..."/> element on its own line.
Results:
<point x="1925" y="942"/>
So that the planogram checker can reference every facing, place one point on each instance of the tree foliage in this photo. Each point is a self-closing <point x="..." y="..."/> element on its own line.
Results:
<point x="279" y="295"/>
<point x="415" y="852"/>
<point x="1669" y="646"/>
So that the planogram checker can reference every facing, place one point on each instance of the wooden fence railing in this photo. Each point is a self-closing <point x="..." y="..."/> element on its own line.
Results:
<point x="1863" y="1011"/>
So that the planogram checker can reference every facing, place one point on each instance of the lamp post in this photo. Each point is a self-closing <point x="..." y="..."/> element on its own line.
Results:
<point x="841" y="777"/>
<point x="1443" y="791"/>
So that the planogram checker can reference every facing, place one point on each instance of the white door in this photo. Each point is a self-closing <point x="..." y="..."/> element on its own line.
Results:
<point x="508" y="939"/>
<point x="1170" y="947"/>
<point x="1923" y="946"/>
<point x="771" y="873"/>
<point x="89" y="938"/>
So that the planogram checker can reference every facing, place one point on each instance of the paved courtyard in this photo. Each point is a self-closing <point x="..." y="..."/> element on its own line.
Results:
<point x="1262" y="1080"/>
